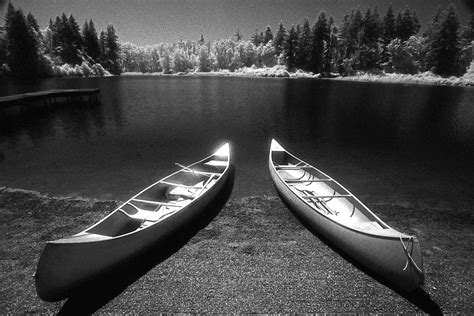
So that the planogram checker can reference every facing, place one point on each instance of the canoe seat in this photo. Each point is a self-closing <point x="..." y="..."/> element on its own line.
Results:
<point x="118" y="223"/>
<point x="147" y="215"/>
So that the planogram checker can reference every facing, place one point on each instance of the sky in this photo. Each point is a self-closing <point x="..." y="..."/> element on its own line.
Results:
<point x="147" y="22"/>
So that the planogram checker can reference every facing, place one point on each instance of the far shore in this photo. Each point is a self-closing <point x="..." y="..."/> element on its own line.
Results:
<point x="254" y="257"/>
<point x="426" y="78"/>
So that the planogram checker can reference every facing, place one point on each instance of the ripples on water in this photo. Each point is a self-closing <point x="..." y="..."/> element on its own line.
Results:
<point x="387" y="143"/>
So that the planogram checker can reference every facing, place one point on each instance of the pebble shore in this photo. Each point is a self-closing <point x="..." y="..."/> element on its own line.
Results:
<point x="254" y="257"/>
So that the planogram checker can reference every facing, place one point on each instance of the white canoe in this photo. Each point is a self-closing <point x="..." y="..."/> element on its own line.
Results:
<point x="339" y="217"/>
<point x="152" y="216"/>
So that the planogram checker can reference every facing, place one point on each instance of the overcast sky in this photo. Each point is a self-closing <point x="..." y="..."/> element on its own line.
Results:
<point x="153" y="21"/>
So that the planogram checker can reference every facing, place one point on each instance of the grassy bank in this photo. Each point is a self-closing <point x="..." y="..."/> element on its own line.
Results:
<point x="253" y="257"/>
<point x="279" y="71"/>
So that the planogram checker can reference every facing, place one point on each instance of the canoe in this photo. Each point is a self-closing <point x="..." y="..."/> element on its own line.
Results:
<point x="148" y="219"/>
<point x="335" y="214"/>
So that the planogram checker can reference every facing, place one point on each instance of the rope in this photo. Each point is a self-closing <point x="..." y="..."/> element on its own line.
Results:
<point x="409" y="257"/>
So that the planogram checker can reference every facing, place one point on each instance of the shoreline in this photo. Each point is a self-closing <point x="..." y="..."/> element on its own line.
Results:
<point x="263" y="259"/>
<point x="424" y="79"/>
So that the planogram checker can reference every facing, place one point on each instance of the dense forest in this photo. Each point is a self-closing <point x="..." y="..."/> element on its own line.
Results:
<point x="61" y="49"/>
<point x="364" y="42"/>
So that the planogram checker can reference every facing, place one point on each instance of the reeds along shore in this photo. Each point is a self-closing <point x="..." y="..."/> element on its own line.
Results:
<point x="263" y="261"/>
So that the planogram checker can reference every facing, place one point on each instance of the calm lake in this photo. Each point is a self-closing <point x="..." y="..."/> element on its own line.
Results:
<point x="387" y="143"/>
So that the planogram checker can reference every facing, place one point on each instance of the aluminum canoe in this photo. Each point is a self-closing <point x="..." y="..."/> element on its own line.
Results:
<point x="146" y="220"/>
<point x="346" y="223"/>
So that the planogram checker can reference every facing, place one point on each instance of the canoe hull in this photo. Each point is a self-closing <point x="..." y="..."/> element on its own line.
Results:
<point x="380" y="256"/>
<point x="65" y="268"/>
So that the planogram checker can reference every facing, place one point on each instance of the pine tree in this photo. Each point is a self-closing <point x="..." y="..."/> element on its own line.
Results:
<point x="90" y="40"/>
<point x="388" y="26"/>
<point x="280" y="39"/>
<point x="330" y="48"/>
<point x="304" y="46"/>
<point x="103" y="47"/>
<point x="268" y="35"/>
<point x="406" y="24"/>
<point x="319" y="38"/>
<point x="21" y="45"/>
<point x="31" y="20"/>
<point x="298" y="48"/>
<point x="256" y="38"/>
<point x="388" y="32"/>
<point x="444" y="47"/>
<point x="369" y="55"/>
<point x="67" y="40"/>
<point x="290" y="47"/>
<point x="112" y="51"/>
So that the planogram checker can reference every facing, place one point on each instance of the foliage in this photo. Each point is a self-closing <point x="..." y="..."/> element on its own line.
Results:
<point x="444" y="48"/>
<point x="21" y="44"/>
<point x="405" y="56"/>
<point x="363" y="42"/>
<point x="280" y="39"/>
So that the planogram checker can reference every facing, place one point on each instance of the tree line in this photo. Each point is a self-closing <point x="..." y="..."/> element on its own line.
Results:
<point x="28" y="51"/>
<point x="364" y="41"/>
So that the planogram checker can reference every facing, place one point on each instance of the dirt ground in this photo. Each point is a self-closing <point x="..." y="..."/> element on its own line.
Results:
<point x="254" y="257"/>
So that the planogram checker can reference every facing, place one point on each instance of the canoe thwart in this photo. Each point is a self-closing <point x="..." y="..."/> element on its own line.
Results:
<point x="307" y="180"/>
<point x="182" y="185"/>
<point x="293" y="167"/>
<point x="154" y="203"/>
<point x="325" y="196"/>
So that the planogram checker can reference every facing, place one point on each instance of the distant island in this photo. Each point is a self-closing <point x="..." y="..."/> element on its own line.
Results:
<point x="366" y="46"/>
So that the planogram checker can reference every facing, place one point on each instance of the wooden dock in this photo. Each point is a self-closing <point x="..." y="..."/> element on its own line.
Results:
<point x="50" y="97"/>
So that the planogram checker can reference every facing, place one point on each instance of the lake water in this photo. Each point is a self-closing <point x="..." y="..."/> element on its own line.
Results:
<point x="387" y="143"/>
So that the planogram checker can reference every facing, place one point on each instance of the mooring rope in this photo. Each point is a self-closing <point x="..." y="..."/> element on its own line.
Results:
<point x="409" y="257"/>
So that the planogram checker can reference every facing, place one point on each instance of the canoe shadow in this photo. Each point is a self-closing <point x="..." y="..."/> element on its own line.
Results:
<point x="419" y="297"/>
<point x="95" y="294"/>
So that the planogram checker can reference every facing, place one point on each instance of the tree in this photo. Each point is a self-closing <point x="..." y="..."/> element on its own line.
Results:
<point x="388" y="32"/>
<point x="406" y="57"/>
<point x="330" y="50"/>
<point x="67" y="40"/>
<point x="31" y="20"/>
<point x="21" y="45"/>
<point x="90" y="40"/>
<point x="406" y="24"/>
<point x="266" y="54"/>
<point x="112" y="51"/>
<point x="319" y="41"/>
<point x="444" y="46"/>
<point x="257" y="38"/>
<point x="368" y="53"/>
<point x="204" y="62"/>
<point x="304" y="46"/>
<point x="268" y="35"/>
<point x="290" y="48"/>
<point x="280" y="39"/>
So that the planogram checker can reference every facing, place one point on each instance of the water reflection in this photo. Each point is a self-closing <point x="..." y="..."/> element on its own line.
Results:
<point x="384" y="114"/>
<point x="145" y="124"/>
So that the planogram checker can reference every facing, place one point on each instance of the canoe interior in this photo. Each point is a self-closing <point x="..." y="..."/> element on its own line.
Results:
<point x="330" y="198"/>
<point x="159" y="201"/>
